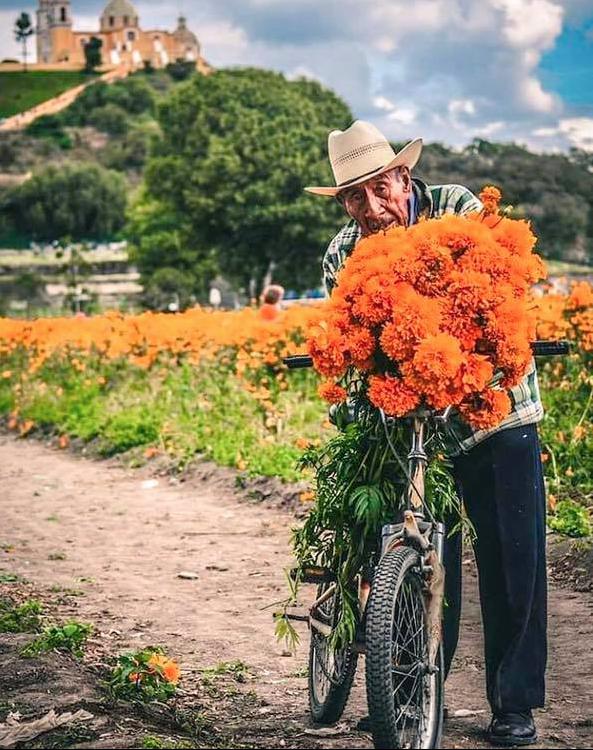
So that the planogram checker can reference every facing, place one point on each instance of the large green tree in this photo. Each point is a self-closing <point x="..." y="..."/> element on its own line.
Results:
<point x="83" y="201"/>
<point x="224" y="186"/>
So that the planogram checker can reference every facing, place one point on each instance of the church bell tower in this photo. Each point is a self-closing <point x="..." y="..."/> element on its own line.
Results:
<point x="52" y="16"/>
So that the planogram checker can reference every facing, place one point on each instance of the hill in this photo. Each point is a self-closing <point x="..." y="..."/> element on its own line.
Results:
<point x="20" y="90"/>
<point x="119" y="126"/>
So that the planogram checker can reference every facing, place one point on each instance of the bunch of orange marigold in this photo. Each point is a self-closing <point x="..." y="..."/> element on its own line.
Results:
<point x="426" y="315"/>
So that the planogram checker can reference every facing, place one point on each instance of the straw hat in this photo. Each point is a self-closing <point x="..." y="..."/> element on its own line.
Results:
<point x="362" y="152"/>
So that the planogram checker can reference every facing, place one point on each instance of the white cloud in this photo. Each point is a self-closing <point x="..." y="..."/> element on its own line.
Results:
<point x="448" y="70"/>
<point x="545" y="132"/>
<point x="571" y="131"/>
<point x="537" y="99"/>
<point x="381" y="102"/>
<point x="301" y="72"/>
<point x="490" y="128"/>
<point x="461" y="107"/>
<point x="531" y="23"/>
<point x="579" y="131"/>
<point x="405" y="115"/>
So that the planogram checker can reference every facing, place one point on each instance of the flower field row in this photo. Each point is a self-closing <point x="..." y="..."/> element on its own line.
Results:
<point x="211" y="384"/>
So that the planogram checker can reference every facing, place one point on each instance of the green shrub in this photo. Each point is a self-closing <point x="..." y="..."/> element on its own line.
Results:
<point x="570" y="519"/>
<point x="144" y="675"/>
<point x="129" y="428"/>
<point x="23" y="618"/>
<point x="81" y="201"/>
<point x="167" y="286"/>
<point x="133" y="95"/>
<point x="51" y="127"/>
<point x="130" y="151"/>
<point x="70" y="637"/>
<point x="110" y="118"/>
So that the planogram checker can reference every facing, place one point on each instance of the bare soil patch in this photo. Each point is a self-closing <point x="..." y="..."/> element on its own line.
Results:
<point x="119" y="538"/>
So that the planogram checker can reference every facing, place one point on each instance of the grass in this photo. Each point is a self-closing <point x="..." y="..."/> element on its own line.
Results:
<point x="69" y="637"/>
<point x="238" y="670"/>
<point x="184" y="412"/>
<point x="20" y="90"/>
<point x="6" y="577"/>
<point x="177" y="413"/>
<point x="22" y="618"/>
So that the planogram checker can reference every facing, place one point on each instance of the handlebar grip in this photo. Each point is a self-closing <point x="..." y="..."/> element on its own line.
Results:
<point x="298" y="361"/>
<point x="549" y="348"/>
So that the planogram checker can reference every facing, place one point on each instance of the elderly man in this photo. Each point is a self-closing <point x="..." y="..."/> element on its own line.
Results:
<point x="498" y="472"/>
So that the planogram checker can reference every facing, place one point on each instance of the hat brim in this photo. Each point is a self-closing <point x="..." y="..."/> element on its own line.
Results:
<point x="407" y="157"/>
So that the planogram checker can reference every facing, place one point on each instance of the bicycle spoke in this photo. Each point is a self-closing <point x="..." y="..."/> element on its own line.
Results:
<point x="410" y="688"/>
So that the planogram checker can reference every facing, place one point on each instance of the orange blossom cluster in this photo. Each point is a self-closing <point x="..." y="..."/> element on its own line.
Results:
<point x="428" y="313"/>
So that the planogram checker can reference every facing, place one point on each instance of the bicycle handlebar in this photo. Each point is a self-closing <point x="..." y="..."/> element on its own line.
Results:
<point x="539" y="349"/>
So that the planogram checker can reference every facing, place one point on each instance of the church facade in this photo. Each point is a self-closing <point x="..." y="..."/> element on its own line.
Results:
<point x="124" y="42"/>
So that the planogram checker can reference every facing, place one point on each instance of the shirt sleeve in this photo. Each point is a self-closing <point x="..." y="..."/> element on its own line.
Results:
<point x="337" y="251"/>
<point x="463" y="201"/>
<point x="331" y="263"/>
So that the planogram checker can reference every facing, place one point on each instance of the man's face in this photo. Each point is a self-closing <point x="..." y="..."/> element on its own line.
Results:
<point x="380" y="202"/>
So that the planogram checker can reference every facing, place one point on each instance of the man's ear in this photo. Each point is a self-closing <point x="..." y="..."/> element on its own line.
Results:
<point x="406" y="179"/>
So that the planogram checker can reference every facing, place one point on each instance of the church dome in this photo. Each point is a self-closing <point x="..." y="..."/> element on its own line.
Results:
<point x="118" y="14"/>
<point x="186" y="38"/>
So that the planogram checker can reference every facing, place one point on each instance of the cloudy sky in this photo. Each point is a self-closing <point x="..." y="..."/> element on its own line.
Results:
<point x="448" y="70"/>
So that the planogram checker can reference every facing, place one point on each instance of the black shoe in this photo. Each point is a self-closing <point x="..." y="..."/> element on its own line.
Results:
<point x="364" y="724"/>
<point x="512" y="729"/>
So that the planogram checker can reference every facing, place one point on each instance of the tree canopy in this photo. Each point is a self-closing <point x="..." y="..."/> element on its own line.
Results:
<point x="224" y="186"/>
<point x="92" y="53"/>
<point x="81" y="201"/>
<point x="554" y="191"/>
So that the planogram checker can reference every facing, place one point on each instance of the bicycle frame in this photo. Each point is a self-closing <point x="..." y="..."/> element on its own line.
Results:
<point x="413" y="530"/>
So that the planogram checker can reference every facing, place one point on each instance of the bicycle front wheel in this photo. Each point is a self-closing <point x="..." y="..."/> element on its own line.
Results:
<point x="404" y="692"/>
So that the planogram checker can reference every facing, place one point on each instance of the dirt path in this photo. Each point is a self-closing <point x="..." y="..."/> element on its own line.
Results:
<point x="124" y="541"/>
<point x="59" y="102"/>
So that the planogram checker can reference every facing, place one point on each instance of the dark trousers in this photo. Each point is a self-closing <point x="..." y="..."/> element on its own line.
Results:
<point x="501" y="484"/>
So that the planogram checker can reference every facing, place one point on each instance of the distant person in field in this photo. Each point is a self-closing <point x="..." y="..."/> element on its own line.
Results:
<point x="271" y="298"/>
<point x="498" y="472"/>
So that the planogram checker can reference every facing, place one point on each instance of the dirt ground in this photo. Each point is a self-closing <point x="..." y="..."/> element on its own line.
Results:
<point x="106" y="545"/>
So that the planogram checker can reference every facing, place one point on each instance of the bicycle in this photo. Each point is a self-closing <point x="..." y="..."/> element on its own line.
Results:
<point x="400" y="595"/>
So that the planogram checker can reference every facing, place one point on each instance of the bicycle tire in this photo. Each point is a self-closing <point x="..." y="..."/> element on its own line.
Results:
<point x="398" y="588"/>
<point x="328" y="708"/>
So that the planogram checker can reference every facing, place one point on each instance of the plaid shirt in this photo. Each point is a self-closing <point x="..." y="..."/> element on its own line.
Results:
<point x="434" y="201"/>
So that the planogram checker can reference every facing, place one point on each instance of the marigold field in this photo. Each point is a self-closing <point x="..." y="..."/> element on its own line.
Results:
<point x="211" y="384"/>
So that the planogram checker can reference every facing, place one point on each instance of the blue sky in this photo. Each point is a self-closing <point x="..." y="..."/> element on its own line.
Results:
<point x="447" y="70"/>
<point x="568" y="67"/>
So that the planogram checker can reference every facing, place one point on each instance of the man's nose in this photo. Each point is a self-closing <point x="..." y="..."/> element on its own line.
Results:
<point x="373" y="206"/>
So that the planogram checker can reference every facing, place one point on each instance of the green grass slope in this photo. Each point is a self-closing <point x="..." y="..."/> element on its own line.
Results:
<point x="20" y="90"/>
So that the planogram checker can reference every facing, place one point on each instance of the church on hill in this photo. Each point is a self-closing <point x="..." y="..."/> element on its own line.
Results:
<point x="124" y="42"/>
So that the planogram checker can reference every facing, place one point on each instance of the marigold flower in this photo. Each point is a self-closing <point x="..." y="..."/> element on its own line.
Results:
<point x="490" y="197"/>
<point x="392" y="395"/>
<point x="486" y="410"/>
<point x="172" y="672"/>
<point x="332" y="393"/>
<point x="581" y="295"/>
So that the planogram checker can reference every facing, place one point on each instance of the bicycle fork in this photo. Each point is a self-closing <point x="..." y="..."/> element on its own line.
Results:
<point x="426" y="537"/>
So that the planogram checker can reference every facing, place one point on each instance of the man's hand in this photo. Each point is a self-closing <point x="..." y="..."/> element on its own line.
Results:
<point x="341" y="415"/>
